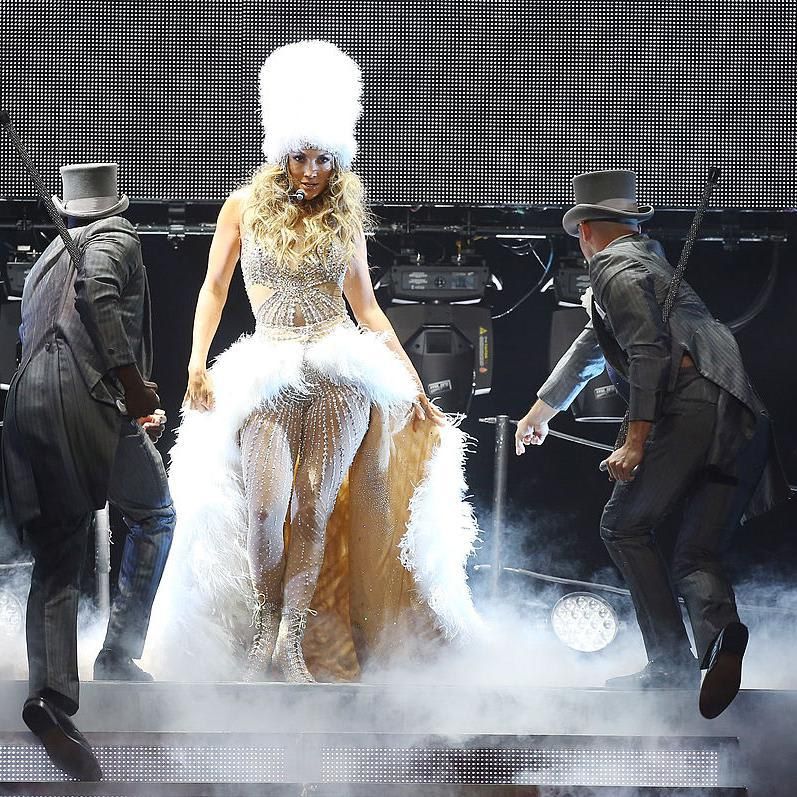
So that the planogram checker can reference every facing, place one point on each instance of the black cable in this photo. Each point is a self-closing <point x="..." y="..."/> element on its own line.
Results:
<point x="763" y="296"/>
<point x="569" y="582"/>
<point x="547" y="267"/>
<point x="384" y="246"/>
<point x="519" y="251"/>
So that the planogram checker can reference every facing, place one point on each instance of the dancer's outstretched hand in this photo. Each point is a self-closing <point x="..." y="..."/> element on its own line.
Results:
<point x="199" y="394"/>
<point x="530" y="432"/>
<point x="532" y="428"/>
<point x="423" y="408"/>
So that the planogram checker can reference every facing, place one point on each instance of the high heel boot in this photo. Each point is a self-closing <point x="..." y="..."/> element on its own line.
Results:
<point x="266" y="622"/>
<point x="288" y="655"/>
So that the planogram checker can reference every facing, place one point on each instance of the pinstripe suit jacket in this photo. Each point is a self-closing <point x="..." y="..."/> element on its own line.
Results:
<point x="630" y="279"/>
<point x="62" y="421"/>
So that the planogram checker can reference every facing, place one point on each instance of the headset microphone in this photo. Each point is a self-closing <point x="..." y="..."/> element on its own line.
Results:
<point x="296" y="196"/>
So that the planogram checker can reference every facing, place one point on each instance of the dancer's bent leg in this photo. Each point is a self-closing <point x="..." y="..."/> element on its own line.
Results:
<point x="674" y="459"/>
<point x="140" y="490"/>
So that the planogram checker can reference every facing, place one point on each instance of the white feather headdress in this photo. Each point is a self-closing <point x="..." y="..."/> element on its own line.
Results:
<point x="316" y="69"/>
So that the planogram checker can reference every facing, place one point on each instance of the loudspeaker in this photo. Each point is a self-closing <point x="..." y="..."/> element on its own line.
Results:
<point x="450" y="346"/>
<point x="599" y="401"/>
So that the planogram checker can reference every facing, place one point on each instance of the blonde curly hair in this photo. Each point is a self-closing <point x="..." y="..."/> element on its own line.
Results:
<point x="337" y="216"/>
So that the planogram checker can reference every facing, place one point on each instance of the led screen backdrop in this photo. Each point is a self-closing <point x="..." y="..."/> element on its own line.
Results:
<point x="466" y="101"/>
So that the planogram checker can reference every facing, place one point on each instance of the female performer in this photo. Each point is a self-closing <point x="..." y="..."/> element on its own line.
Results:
<point x="287" y="410"/>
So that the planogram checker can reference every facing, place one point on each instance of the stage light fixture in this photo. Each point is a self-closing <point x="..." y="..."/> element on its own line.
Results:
<point x="570" y="281"/>
<point x="584" y="621"/>
<point x="599" y="401"/>
<point x="446" y="333"/>
<point x="450" y="346"/>
<point x="17" y="270"/>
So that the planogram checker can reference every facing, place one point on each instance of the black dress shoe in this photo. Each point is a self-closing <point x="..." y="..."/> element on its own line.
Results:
<point x="659" y="674"/>
<point x="64" y="743"/>
<point x="112" y="666"/>
<point x="724" y="672"/>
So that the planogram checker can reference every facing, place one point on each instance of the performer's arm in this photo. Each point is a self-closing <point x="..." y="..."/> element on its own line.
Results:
<point x="110" y="258"/>
<point x="629" y="298"/>
<point x="359" y="293"/>
<point x="224" y="252"/>
<point x="580" y="363"/>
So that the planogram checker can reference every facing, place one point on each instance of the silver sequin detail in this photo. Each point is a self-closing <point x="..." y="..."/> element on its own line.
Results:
<point x="296" y="453"/>
<point x="306" y="302"/>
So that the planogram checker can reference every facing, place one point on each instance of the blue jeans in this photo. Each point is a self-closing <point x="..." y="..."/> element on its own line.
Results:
<point x="140" y="491"/>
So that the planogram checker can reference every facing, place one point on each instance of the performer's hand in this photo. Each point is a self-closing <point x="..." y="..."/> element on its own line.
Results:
<point x="622" y="462"/>
<point x="141" y="399"/>
<point x="199" y="394"/>
<point x="154" y="424"/>
<point x="531" y="431"/>
<point x="423" y="408"/>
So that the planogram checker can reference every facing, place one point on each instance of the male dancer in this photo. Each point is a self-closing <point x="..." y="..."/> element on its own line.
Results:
<point x="78" y="422"/>
<point x="698" y="432"/>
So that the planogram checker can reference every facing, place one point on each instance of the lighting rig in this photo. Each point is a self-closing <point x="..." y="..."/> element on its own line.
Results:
<point x="440" y="320"/>
<point x="16" y="271"/>
<point x="570" y="280"/>
<point x="12" y="282"/>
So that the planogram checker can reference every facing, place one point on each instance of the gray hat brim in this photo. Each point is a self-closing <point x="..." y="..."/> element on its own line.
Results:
<point x="580" y="213"/>
<point x="99" y="208"/>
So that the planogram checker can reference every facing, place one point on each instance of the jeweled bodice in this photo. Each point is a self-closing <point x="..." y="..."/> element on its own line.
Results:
<point x="306" y="300"/>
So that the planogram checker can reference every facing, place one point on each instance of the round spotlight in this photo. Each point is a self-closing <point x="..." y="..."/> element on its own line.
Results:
<point x="12" y="615"/>
<point x="584" y="621"/>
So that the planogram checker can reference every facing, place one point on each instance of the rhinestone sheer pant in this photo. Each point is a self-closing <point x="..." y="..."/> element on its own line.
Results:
<point x="296" y="455"/>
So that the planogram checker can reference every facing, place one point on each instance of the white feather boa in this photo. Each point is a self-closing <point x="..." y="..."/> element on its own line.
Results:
<point x="206" y="592"/>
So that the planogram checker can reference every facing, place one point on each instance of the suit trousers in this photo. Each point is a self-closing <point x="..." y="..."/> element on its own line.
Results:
<point x="675" y="471"/>
<point x="139" y="489"/>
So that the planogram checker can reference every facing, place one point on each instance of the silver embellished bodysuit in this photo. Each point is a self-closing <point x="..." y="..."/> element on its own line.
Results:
<point x="296" y="453"/>
<point x="306" y="302"/>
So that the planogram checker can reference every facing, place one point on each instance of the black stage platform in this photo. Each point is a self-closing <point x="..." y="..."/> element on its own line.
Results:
<point x="280" y="739"/>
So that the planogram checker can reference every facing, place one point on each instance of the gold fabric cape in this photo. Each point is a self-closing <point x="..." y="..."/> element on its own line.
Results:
<point x="366" y="600"/>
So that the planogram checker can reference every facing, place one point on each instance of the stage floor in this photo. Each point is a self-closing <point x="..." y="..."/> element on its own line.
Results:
<point x="267" y="738"/>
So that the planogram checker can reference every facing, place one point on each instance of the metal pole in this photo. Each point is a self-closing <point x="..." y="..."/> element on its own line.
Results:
<point x="102" y="559"/>
<point x="499" y="497"/>
<point x="503" y="439"/>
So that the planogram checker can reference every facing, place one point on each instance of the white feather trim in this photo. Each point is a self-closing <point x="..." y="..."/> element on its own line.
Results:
<point x="205" y="597"/>
<point x="330" y="121"/>
<point x="441" y="533"/>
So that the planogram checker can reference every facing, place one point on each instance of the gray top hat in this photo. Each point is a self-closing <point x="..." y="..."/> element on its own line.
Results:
<point x="91" y="191"/>
<point x="605" y="196"/>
